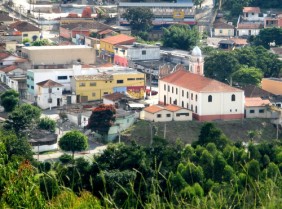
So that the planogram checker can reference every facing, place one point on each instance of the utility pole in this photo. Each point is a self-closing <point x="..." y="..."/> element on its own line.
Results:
<point x="164" y="130"/>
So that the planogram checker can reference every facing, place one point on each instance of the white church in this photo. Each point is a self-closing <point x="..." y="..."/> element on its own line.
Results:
<point x="208" y="99"/>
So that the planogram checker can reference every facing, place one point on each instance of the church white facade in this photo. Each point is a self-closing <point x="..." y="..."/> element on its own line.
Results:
<point x="208" y="99"/>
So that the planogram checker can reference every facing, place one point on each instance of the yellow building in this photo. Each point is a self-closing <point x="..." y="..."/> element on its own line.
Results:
<point x="26" y="30"/>
<point x="272" y="85"/>
<point x="107" y="45"/>
<point x="94" y="87"/>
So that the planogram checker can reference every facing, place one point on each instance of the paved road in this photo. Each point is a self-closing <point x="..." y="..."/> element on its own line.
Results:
<point x="88" y="154"/>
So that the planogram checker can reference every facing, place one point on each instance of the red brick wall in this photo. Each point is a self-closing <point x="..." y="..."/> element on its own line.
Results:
<point x="122" y="61"/>
<point x="65" y="33"/>
<point x="218" y="117"/>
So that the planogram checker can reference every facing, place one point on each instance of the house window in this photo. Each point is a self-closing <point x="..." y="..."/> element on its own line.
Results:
<point x="92" y="83"/>
<point x="164" y="87"/>
<point x="168" y="115"/>
<point x="187" y="106"/>
<point x="182" y="114"/>
<point x="119" y="81"/>
<point x="143" y="52"/>
<point x="187" y="94"/>
<point x="131" y="79"/>
<point x="220" y="31"/>
<point x="105" y="93"/>
<point x="50" y="90"/>
<point x="182" y="93"/>
<point x="261" y="111"/>
<point x="27" y="86"/>
<point x="196" y="109"/>
<point x="233" y="98"/>
<point x="176" y="89"/>
<point x="81" y="84"/>
<point x="139" y="78"/>
<point x="168" y="88"/>
<point x="159" y="115"/>
<point x="196" y="97"/>
<point x="175" y="102"/>
<point x="182" y="104"/>
<point x="62" y="77"/>
<point x="32" y="87"/>
<point x="172" y="89"/>
<point x="252" y="111"/>
<point x="25" y="35"/>
<point x="191" y="96"/>
<point x="192" y="107"/>
<point x="93" y="94"/>
<point x="210" y="98"/>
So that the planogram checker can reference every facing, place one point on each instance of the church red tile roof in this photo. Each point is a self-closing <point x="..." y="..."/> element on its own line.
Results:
<point x="172" y="108"/>
<point x="49" y="83"/>
<point x="197" y="82"/>
<point x="8" y="68"/>
<point x="251" y="9"/>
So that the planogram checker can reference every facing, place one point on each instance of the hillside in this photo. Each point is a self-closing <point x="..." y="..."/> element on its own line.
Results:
<point x="189" y="131"/>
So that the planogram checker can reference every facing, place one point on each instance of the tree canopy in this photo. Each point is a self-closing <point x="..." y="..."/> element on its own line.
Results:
<point x="267" y="36"/>
<point x="24" y="118"/>
<point x="245" y="76"/>
<point x="73" y="141"/>
<point x="223" y="65"/>
<point x="139" y="18"/>
<point x="180" y="37"/>
<point x="102" y="118"/>
<point x="9" y="100"/>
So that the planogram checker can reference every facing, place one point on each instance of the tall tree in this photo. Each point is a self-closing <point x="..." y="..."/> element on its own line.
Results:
<point x="247" y="75"/>
<point x="139" y="18"/>
<point x="73" y="141"/>
<point x="180" y="37"/>
<point x="102" y="118"/>
<point x="23" y="118"/>
<point x="221" y="65"/>
<point x="267" y="36"/>
<point x="9" y="100"/>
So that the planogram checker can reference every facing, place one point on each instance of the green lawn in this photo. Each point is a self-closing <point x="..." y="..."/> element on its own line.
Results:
<point x="189" y="131"/>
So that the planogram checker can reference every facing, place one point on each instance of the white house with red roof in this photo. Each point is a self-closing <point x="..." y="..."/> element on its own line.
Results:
<point x="208" y="99"/>
<point x="49" y="94"/>
<point x="256" y="107"/>
<point x="158" y="113"/>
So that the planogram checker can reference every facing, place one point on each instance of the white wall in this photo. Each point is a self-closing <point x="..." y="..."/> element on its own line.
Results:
<point x="44" y="95"/>
<point x="252" y="16"/>
<point x="221" y="103"/>
<point x="108" y="102"/>
<point x="182" y="117"/>
<point x="257" y="114"/>
<point x="245" y="32"/>
<point x="44" y="148"/>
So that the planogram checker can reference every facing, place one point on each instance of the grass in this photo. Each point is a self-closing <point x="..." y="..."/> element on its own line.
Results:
<point x="188" y="131"/>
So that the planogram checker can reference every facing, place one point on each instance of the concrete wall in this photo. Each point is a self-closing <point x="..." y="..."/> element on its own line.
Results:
<point x="257" y="112"/>
<point x="44" y="95"/>
<point x="245" y="32"/>
<point x="224" y="32"/>
<point x="44" y="148"/>
<point x="50" y="55"/>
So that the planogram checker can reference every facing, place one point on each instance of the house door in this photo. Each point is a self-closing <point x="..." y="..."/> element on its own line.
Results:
<point x="250" y="32"/>
<point x="164" y="99"/>
<point x="58" y="101"/>
<point x="68" y="99"/>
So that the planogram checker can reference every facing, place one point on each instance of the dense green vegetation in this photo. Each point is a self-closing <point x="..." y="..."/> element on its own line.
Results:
<point x="180" y="37"/>
<point x="213" y="172"/>
<point x="250" y="61"/>
<point x="9" y="100"/>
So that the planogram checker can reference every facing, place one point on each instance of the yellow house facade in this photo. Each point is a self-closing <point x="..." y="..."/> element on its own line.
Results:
<point x="94" y="87"/>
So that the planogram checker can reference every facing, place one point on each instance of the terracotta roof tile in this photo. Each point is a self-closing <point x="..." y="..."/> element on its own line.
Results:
<point x="239" y="41"/>
<point x="153" y="109"/>
<point x="197" y="82"/>
<point x="251" y="9"/>
<point x="222" y="25"/>
<point x="172" y="108"/>
<point x="105" y="31"/>
<point x="250" y="26"/>
<point x="8" y="68"/>
<point x="49" y="83"/>
<point x="4" y="16"/>
<point x="114" y="96"/>
<point x="256" y="102"/>
<point x="118" y="39"/>
<point x="4" y="55"/>
<point x="24" y="26"/>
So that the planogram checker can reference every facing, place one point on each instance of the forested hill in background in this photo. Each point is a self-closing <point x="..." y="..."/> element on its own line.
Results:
<point x="213" y="172"/>
<point x="266" y="3"/>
